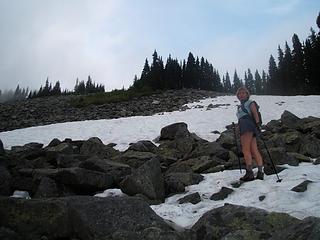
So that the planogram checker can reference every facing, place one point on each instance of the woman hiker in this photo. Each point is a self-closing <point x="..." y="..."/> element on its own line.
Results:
<point x="248" y="122"/>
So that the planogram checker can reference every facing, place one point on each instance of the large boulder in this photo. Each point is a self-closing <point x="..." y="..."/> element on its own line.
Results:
<point x="238" y="222"/>
<point x="94" y="146"/>
<point x="279" y="156"/>
<point x="33" y="219"/>
<point x="117" y="170"/>
<point x="80" y="180"/>
<point x="310" y="146"/>
<point x="289" y="119"/>
<point x="2" y="151"/>
<point x="134" y="158"/>
<point x="178" y="148"/>
<point x="227" y="139"/>
<point x="174" y="131"/>
<point x="176" y="182"/>
<point x="199" y="164"/>
<point x="47" y="188"/>
<point x="5" y="181"/>
<point x="209" y="149"/>
<point x="89" y="218"/>
<point x="146" y="180"/>
<point x="143" y="146"/>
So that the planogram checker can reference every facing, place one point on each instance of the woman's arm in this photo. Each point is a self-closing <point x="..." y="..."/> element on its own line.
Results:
<point x="253" y="108"/>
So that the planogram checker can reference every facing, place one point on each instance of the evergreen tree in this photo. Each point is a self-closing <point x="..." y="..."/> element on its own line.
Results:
<point x="258" y="82"/>
<point x="156" y="72"/>
<point x="249" y="83"/>
<point x="190" y="72"/>
<point x="288" y="84"/>
<point x="264" y="83"/>
<point x="145" y="76"/>
<point x="273" y="77"/>
<point x="236" y="81"/>
<point x="299" y="73"/>
<point x="281" y="71"/>
<point x="56" y="89"/>
<point x="227" y="83"/>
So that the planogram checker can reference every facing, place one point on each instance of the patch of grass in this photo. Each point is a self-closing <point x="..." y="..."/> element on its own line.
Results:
<point x="110" y="97"/>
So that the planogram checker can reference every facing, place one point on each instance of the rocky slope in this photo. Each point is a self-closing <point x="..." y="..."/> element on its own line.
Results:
<point x="58" y="176"/>
<point x="48" y="110"/>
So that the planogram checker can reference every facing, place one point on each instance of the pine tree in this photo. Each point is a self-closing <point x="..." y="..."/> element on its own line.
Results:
<point x="288" y="83"/>
<point x="273" y="77"/>
<point x="281" y="71"/>
<point x="258" y="82"/>
<point x="264" y="83"/>
<point x="249" y="82"/>
<point x="227" y="83"/>
<point x="299" y="73"/>
<point x="236" y="81"/>
<point x="56" y="89"/>
<point x="190" y="70"/>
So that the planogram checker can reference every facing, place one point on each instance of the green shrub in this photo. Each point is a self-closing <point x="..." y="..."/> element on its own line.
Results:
<point x="111" y="97"/>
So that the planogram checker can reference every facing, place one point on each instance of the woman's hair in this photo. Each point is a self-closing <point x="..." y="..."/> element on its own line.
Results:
<point x="243" y="88"/>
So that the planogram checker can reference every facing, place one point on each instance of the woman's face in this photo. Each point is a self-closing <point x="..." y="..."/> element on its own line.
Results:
<point x="242" y="95"/>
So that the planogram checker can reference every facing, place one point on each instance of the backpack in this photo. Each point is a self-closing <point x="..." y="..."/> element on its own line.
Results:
<point x="259" y="113"/>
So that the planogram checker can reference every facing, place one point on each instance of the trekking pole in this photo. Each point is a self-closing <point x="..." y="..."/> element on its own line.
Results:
<point x="236" y="142"/>
<point x="274" y="167"/>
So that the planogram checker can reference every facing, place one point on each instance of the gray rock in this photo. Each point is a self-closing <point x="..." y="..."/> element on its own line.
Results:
<point x="193" y="198"/>
<point x="62" y="148"/>
<point x="5" y="181"/>
<point x="1" y="148"/>
<point x="8" y="234"/>
<point x="94" y="146"/>
<point x="133" y="158"/>
<point x="143" y="146"/>
<point x="54" y="142"/>
<point x="85" y="217"/>
<point x="279" y="156"/>
<point x="117" y="170"/>
<point x="178" y="148"/>
<point x="261" y="198"/>
<point x="82" y="181"/>
<point x="46" y="188"/>
<point x="230" y="219"/>
<point x="176" y="182"/>
<point x="201" y="164"/>
<point x="209" y="149"/>
<point x="317" y="161"/>
<point x="299" y="157"/>
<point x="310" y="146"/>
<point x="174" y="131"/>
<point x="222" y="194"/>
<point x="289" y="119"/>
<point x="49" y="217"/>
<point x="147" y="180"/>
<point x="226" y="139"/>
<point x="302" y="187"/>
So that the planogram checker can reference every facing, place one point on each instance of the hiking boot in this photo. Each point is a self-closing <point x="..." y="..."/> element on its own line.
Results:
<point x="260" y="175"/>
<point x="248" y="176"/>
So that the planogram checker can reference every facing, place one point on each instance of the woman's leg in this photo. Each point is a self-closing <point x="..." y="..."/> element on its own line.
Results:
<point x="257" y="156"/>
<point x="255" y="152"/>
<point x="246" y="139"/>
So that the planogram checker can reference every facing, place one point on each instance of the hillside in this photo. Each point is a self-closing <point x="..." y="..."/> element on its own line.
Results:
<point x="57" y="109"/>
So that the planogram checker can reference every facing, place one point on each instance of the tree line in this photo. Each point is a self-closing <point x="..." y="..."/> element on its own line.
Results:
<point x="81" y="87"/>
<point x="297" y="72"/>
<point x="298" y="69"/>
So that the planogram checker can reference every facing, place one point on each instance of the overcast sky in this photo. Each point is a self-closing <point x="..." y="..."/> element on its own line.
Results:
<point x="110" y="39"/>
